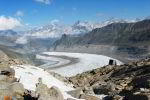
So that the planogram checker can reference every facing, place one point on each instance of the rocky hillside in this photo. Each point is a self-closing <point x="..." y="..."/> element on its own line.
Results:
<point x="126" y="82"/>
<point x="9" y="86"/>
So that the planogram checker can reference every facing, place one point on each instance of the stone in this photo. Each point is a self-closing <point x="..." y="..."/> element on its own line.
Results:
<point x="103" y="89"/>
<point x="4" y="90"/>
<point x="76" y="93"/>
<point x="4" y="85"/>
<point x="3" y="78"/>
<point x="4" y="64"/>
<point x="17" y="89"/>
<point x="55" y="92"/>
<point x="90" y="97"/>
<point x="119" y="87"/>
<point x="42" y="89"/>
<point x="117" y="97"/>
<point x="88" y="90"/>
<point x="46" y="93"/>
<point x="144" y="90"/>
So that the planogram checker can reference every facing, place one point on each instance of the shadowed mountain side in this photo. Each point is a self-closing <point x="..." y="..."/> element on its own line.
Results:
<point x="125" y="40"/>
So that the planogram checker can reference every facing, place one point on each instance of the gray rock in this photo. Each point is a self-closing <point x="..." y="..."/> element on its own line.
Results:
<point x="46" y="93"/>
<point x="3" y="78"/>
<point x="76" y="93"/>
<point x="4" y="90"/>
<point x="55" y="92"/>
<point x="17" y="89"/>
<point x="88" y="90"/>
<point x="42" y="89"/>
<point x="90" y="97"/>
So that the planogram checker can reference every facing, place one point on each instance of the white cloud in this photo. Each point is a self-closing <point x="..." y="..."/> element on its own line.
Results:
<point x="19" y="13"/>
<point x="9" y="23"/>
<point x="45" y="1"/>
<point x="54" y="21"/>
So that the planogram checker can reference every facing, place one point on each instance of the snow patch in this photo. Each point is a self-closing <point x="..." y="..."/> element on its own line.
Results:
<point x="29" y="76"/>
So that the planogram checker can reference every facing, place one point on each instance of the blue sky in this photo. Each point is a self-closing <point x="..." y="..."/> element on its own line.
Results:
<point x="39" y="12"/>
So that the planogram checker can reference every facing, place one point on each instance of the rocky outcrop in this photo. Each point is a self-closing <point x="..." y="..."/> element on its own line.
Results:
<point x="126" y="81"/>
<point x="9" y="87"/>
<point x="46" y="93"/>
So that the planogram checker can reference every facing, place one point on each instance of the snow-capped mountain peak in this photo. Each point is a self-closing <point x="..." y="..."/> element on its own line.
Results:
<point x="56" y="29"/>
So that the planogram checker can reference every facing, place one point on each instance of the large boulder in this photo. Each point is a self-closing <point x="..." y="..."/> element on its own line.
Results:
<point x="88" y="90"/>
<point x="46" y="93"/>
<point x="42" y="89"/>
<point x="4" y="85"/>
<point x="11" y="90"/>
<point x="5" y="93"/>
<point x="104" y="89"/>
<point x="55" y="92"/>
<point x="3" y="78"/>
<point x="4" y="64"/>
<point x="17" y="90"/>
<point x="76" y="93"/>
<point x="4" y="90"/>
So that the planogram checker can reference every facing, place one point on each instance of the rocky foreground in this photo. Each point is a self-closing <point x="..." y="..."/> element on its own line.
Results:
<point x="113" y="82"/>
<point x="125" y="82"/>
<point x="10" y="88"/>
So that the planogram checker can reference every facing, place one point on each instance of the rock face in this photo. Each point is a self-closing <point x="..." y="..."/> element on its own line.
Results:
<point x="17" y="89"/>
<point x="54" y="91"/>
<point x="124" y="82"/>
<point x="46" y="93"/>
<point x="9" y="87"/>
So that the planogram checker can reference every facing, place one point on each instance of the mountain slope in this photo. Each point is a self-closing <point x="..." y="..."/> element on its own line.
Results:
<point x="116" y="34"/>
<point x="123" y="41"/>
<point x="8" y="37"/>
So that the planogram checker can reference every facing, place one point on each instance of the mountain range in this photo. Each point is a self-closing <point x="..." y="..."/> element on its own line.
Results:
<point x="113" y="34"/>
<point x="110" y="37"/>
<point x="116" y="39"/>
<point x="56" y="29"/>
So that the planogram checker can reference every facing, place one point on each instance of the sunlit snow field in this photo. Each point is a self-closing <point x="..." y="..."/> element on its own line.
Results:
<point x="86" y="62"/>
